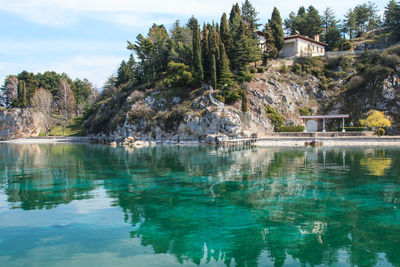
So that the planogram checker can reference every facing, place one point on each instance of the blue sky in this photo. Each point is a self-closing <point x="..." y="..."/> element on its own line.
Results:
<point x="87" y="38"/>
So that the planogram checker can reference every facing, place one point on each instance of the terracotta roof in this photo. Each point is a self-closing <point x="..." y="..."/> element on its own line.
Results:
<point x="305" y="38"/>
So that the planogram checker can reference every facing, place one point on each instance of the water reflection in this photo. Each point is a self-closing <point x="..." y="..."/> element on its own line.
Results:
<point x="205" y="205"/>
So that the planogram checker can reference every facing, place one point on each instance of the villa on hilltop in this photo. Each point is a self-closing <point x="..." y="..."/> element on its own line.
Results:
<point x="300" y="46"/>
<point x="296" y="46"/>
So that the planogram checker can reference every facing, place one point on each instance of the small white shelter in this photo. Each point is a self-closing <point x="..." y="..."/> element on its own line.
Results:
<point x="311" y="122"/>
<point x="301" y="46"/>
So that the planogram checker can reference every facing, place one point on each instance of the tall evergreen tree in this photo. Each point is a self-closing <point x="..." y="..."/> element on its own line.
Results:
<point x="234" y="20"/>
<point x="213" y="45"/>
<point x="276" y="29"/>
<point x="213" y="72"/>
<point x="197" y="62"/>
<point x="241" y="53"/>
<point x="205" y="52"/>
<point x="226" y="36"/>
<point x="249" y="16"/>
<point x="270" y="49"/>
<point x="225" y="77"/>
<point x="392" y="17"/>
<point x="330" y="29"/>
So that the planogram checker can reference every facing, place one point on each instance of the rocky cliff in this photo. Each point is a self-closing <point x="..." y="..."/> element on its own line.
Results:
<point x="157" y="114"/>
<point x="18" y="123"/>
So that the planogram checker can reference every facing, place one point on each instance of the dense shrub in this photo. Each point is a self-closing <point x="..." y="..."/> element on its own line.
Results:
<point x="283" y="68"/>
<point x="380" y="131"/>
<point x="260" y="69"/>
<point x="253" y="70"/>
<point x="245" y="100"/>
<point x="178" y="75"/>
<point x="274" y="116"/>
<point x="291" y="129"/>
<point x="335" y="63"/>
<point x="305" y="111"/>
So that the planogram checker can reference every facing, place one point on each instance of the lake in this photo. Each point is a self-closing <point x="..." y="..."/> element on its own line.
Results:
<point x="94" y="205"/>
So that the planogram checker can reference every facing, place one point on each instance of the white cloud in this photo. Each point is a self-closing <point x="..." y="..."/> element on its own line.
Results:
<point x="142" y="13"/>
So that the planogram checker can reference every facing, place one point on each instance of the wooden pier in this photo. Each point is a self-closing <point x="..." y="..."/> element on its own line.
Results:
<point x="244" y="142"/>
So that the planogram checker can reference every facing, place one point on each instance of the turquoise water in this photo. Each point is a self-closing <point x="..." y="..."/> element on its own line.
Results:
<point x="92" y="205"/>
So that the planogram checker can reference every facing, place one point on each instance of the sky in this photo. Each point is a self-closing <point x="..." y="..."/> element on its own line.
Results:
<point x="87" y="38"/>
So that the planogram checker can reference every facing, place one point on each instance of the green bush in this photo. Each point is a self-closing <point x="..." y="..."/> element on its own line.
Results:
<point x="296" y="68"/>
<point x="178" y="75"/>
<point x="335" y="62"/>
<point x="291" y="129"/>
<point x="260" y="69"/>
<point x="244" y="75"/>
<point x="283" y="68"/>
<point x="305" y="111"/>
<point x="274" y="116"/>
<point x="253" y="70"/>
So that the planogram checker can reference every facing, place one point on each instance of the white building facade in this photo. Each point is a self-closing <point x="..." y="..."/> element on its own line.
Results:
<point x="301" y="46"/>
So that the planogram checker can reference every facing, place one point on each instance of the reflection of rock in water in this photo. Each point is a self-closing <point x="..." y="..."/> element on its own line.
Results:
<point x="203" y="204"/>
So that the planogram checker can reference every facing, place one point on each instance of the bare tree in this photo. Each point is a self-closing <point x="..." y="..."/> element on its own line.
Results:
<point x="42" y="100"/>
<point x="66" y="103"/>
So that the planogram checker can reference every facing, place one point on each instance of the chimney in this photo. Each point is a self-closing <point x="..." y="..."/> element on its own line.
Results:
<point x="316" y="37"/>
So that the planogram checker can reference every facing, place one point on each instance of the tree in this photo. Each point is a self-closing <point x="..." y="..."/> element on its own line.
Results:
<point x="376" y="119"/>
<point x="270" y="49"/>
<point x="330" y="29"/>
<point x="213" y="47"/>
<point x="179" y="75"/>
<point x="306" y="22"/>
<point x="226" y="36"/>
<point x="197" y="62"/>
<point x="126" y="71"/>
<point x="31" y="83"/>
<point x="66" y="103"/>
<point x="42" y="101"/>
<point x="249" y="16"/>
<point x="22" y="94"/>
<point x="392" y="17"/>
<point x="213" y="72"/>
<point x="225" y="78"/>
<point x="276" y="29"/>
<point x="49" y="80"/>
<point x="205" y="52"/>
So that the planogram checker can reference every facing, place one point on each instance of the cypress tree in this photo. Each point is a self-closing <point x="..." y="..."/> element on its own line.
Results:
<point x="276" y="28"/>
<point x="225" y="77"/>
<point x="24" y="94"/>
<point x="270" y="49"/>
<point x="205" y="52"/>
<point x="226" y="36"/>
<point x="213" y="45"/>
<point x="213" y="72"/>
<point x="197" y="62"/>
<point x="234" y="20"/>
<point x="245" y="100"/>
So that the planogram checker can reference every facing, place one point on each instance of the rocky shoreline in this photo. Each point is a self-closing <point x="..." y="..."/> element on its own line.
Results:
<point x="273" y="141"/>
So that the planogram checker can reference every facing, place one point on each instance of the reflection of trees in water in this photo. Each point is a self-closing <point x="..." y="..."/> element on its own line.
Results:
<point x="203" y="204"/>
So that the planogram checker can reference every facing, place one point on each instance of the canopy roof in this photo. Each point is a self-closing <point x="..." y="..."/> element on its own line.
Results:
<point x="333" y="116"/>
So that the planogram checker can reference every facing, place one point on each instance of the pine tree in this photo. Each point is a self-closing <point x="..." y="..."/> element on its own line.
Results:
<point x="245" y="100"/>
<point x="205" y="52"/>
<point x="270" y="49"/>
<point x="330" y="29"/>
<point x="241" y="53"/>
<point x="392" y="17"/>
<point x="276" y="28"/>
<point x="213" y="72"/>
<point x="225" y="77"/>
<point x="249" y="16"/>
<point x="226" y="36"/>
<point x="234" y="20"/>
<point x="197" y="62"/>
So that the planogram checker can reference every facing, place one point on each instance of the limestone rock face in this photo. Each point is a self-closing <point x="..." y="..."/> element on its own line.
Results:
<point x="19" y="123"/>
